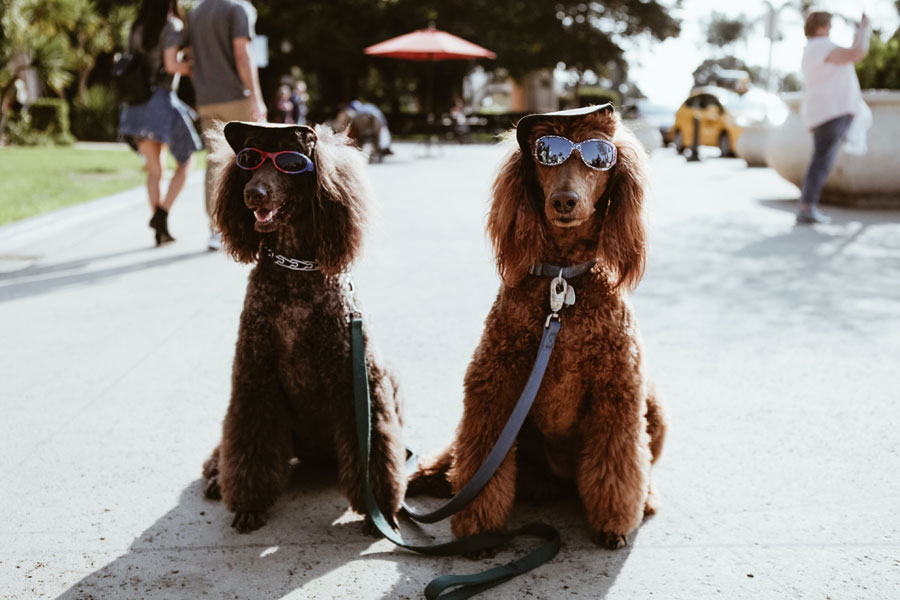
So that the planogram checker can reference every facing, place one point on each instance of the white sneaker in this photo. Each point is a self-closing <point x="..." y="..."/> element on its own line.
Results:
<point x="215" y="241"/>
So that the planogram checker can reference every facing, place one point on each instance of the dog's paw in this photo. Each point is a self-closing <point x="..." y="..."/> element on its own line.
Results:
<point x="431" y="484"/>
<point x="245" y="522"/>
<point x="653" y="502"/>
<point x="369" y="529"/>
<point x="607" y="539"/>
<point x="211" y="490"/>
<point x="211" y="465"/>
<point x="482" y="554"/>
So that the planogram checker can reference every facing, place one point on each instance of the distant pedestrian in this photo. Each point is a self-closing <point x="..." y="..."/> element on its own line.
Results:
<point x="158" y="35"/>
<point x="225" y="76"/>
<point x="300" y="98"/>
<point x="384" y="134"/>
<point x="284" y="108"/>
<point x="832" y="99"/>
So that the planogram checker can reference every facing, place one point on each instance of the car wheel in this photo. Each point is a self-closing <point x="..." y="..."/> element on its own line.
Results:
<point x="678" y="140"/>
<point x="725" y="145"/>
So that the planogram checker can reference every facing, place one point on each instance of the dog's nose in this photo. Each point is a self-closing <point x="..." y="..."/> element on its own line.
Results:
<point x="564" y="201"/>
<point x="254" y="194"/>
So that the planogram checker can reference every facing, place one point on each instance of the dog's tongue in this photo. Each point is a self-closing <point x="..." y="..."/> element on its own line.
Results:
<point x="263" y="214"/>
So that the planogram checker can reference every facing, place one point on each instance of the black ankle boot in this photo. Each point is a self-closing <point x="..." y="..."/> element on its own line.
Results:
<point x="158" y="217"/>
<point x="161" y="225"/>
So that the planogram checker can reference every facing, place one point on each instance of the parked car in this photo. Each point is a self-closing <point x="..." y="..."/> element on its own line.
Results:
<point x="722" y="114"/>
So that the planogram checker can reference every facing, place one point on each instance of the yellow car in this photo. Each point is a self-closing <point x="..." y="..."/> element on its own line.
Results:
<point x="721" y="116"/>
<point x="709" y="105"/>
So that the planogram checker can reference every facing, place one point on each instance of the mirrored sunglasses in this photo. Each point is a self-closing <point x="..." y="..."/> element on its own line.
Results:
<point x="554" y="150"/>
<point x="286" y="161"/>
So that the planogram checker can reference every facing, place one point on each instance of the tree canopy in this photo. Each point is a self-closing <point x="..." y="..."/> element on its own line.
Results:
<point x="69" y="43"/>
<point x="526" y="35"/>
<point x="722" y="31"/>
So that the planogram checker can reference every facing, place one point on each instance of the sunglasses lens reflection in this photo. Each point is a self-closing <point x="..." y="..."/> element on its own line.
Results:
<point x="597" y="154"/>
<point x="552" y="150"/>
<point x="291" y="162"/>
<point x="248" y="158"/>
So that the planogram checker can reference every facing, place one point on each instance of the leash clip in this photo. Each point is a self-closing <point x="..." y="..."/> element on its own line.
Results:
<point x="558" y="288"/>
<point x="351" y="298"/>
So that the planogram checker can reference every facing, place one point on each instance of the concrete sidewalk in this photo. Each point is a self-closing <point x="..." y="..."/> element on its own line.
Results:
<point x="775" y="347"/>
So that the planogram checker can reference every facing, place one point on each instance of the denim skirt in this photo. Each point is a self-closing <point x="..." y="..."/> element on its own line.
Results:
<point x="164" y="118"/>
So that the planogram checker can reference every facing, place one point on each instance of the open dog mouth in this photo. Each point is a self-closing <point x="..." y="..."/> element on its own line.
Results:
<point x="266" y="219"/>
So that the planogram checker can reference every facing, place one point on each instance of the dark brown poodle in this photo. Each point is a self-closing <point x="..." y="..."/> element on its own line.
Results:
<point x="292" y="383"/>
<point x="595" y="426"/>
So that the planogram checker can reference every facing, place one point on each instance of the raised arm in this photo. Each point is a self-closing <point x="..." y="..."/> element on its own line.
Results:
<point x="858" y="50"/>
<point x="246" y="68"/>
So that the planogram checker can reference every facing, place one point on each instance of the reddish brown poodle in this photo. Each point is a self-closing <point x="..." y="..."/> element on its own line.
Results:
<point x="595" y="424"/>
<point x="292" y="384"/>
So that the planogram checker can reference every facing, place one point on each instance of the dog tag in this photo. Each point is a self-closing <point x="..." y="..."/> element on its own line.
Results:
<point x="558" y="288"/>
<point x="570" y="296"/>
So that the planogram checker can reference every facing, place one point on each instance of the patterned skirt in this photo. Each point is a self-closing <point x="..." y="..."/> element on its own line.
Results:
<point x="164" y="118"/>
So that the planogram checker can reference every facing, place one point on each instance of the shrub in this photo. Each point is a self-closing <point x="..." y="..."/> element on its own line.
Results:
<point x="96" y="115"/>
<point x="880" y="68"/>
<point x="50" y="116"/>
<point x="43" y="122"/>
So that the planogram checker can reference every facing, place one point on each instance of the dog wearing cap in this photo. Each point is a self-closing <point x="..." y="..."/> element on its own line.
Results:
<point x="567" y="202"/>
<point x="294" y="201"/>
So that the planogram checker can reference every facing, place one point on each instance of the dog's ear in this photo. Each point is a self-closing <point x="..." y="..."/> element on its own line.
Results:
<point x="231" y="216"/>
<point x="623" y="234"/>
<point x="515" y="227"/>
<point x="342" y="200"/>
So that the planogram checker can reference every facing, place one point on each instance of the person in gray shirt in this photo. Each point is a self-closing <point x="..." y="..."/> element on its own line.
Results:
<point x="226" y="81"/>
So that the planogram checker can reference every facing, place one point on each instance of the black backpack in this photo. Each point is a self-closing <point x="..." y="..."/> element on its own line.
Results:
<point x="131" y="77"/>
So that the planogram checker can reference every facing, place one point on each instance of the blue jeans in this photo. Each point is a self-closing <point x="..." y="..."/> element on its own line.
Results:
<point x="827" y="138"/>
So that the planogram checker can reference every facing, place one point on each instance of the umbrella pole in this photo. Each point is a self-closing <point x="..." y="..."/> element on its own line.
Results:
<point x="429" y="107"/>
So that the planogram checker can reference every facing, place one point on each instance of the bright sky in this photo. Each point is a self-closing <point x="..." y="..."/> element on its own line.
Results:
<point x="663" y="70"/>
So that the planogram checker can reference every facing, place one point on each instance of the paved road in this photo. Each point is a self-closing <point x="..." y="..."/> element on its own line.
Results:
<point x="776" y="349"/>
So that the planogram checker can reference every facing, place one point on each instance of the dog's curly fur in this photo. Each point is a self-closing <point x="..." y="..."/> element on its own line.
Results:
<point x="596" y="425"/>
<point x="292" y="385"/>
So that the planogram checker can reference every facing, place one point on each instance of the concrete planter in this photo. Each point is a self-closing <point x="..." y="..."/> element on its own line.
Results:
<point x="751" y="146"/>
<point x="871" y="180"/>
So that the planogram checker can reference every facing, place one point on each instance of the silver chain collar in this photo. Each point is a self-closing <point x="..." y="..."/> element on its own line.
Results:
<point x="294" y="264"/>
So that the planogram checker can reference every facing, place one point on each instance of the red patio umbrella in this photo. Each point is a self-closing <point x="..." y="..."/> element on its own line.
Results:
<point x="429" y="44"/>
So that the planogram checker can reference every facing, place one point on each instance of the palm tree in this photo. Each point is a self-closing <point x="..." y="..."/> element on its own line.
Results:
<point x="33" y="37"/>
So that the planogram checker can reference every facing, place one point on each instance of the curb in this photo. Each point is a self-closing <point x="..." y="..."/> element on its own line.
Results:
<point x="77" y="213"/>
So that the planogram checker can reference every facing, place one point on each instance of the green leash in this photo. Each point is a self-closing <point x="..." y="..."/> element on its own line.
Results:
<point x="459" y="586"/>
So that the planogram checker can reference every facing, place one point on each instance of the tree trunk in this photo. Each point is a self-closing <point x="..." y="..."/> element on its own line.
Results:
<point x="6" y="99"/>
<point x="82" y="83"/>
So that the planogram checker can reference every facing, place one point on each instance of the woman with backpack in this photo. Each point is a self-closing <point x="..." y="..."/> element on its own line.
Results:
<point x="156" y="38"/>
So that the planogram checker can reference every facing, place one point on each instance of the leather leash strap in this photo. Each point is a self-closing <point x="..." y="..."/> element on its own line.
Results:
<point x="460" y="586"/>
<point x="504" y="442"/>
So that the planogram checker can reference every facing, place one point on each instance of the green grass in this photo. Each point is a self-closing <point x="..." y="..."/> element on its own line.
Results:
<point x="36" y="180"/>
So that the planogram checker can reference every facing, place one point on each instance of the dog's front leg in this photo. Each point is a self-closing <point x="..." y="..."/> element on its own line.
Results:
<point x="256" y="441"/>
<point x="387" y="455"/>
<point x="493" y="384"/>
<point x="614" y="464"/>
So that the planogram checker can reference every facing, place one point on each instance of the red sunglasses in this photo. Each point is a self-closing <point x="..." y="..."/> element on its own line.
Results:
<point x="286" y="161"/>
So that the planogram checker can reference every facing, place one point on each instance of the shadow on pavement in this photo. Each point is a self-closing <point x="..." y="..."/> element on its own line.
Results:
<point x="840" y="215"/>
<point x="14" y="291"/>
<point x="191" y="551"/>
<point x="36" y="268"/>
<point x="763" y="277"/>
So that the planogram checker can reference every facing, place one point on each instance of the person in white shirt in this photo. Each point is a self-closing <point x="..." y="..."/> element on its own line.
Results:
<point x="831" y="100"/>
